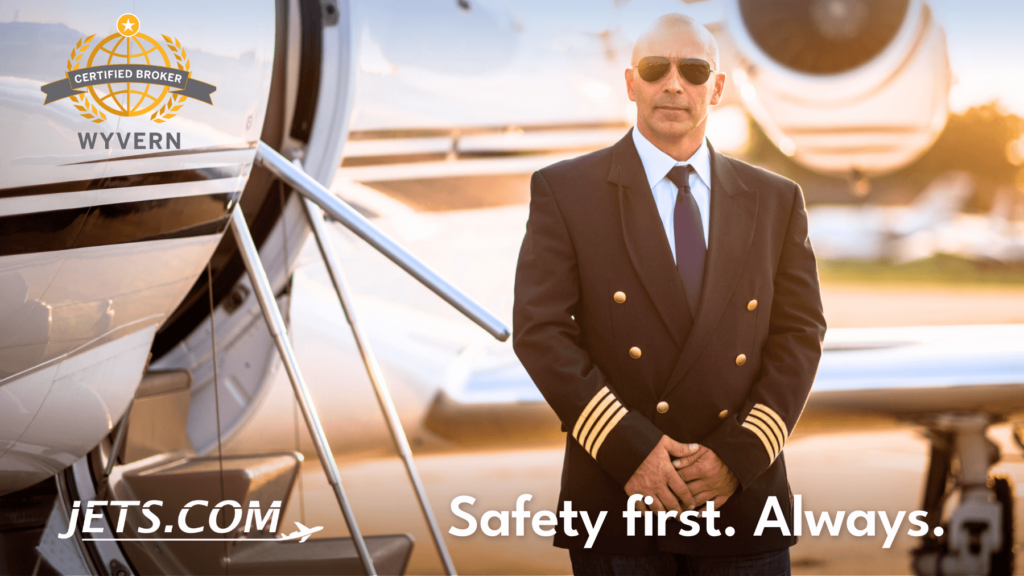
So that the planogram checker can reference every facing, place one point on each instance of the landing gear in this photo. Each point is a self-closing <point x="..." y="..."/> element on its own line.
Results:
<point x="1002" y="561"/>
<point x="978" y="538"/>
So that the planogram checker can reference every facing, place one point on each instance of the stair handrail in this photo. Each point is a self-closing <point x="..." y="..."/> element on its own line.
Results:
<point x="358" y="224"/>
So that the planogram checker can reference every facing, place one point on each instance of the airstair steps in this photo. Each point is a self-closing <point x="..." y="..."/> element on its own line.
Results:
<point x="158" y="420"/>
<point x="324" y="556"/>
<point x="264" y="478"/>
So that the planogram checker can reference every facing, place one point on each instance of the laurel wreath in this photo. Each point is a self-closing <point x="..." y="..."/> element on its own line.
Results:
<point x="81" y="101"/>
<point x="175" y="101"/>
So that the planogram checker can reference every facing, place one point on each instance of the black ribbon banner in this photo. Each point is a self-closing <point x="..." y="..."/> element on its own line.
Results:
<point x="141" y="73"/>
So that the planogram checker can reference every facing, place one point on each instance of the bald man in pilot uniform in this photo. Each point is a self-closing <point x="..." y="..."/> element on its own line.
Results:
<point x="667" y="306"/>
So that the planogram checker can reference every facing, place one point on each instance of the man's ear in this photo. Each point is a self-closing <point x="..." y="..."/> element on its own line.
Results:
<point x="630" y="84"/>
<point x="716" y="95"/>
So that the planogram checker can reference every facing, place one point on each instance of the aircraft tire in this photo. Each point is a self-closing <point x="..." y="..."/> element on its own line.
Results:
<point x="1002" y="561"/>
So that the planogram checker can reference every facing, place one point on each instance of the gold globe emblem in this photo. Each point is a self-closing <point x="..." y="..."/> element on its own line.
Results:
<point x="128" y="46"/>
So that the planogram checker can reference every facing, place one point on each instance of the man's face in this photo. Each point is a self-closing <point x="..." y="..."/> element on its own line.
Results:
<point x="671" y="107"/>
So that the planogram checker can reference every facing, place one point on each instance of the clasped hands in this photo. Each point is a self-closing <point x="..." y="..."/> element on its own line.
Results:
<point x="682" y="477"/>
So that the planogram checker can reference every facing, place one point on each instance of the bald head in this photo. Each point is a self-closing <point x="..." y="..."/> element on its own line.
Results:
<point x="671" y="110"/>
<point x="676" y="36"/>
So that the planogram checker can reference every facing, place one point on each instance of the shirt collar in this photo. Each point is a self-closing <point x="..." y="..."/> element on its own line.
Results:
<point x="657" y="163"/>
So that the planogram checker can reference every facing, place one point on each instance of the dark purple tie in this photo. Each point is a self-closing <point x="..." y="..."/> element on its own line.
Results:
<point x="689" y="233"/>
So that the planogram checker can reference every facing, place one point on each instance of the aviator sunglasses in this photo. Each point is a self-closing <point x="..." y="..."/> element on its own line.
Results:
<point x="654" y="68"/>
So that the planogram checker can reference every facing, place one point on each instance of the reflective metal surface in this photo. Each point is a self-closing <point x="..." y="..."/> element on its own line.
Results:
<point x="354" y="221"/>
<point x="279" y="331"/>
<point x="380" y="386"/>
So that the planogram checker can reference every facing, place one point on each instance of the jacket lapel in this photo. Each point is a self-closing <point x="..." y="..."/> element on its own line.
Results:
<point x="733" y="217"/>
<point x="645" y="239"/>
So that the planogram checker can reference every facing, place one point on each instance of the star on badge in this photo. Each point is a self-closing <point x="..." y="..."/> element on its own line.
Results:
<point x="127" y="25"/>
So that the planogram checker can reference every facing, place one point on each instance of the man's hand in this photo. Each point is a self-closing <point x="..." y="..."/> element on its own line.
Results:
<point x="706" y="476"/>
<point x="656" y="477"/>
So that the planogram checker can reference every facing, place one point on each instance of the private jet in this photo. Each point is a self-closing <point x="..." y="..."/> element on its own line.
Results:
<point x="870" y="232"/>
<point x="933" y="223"/>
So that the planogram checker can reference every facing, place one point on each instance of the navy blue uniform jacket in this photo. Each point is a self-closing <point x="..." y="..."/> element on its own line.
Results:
<point x="602" y="325"/>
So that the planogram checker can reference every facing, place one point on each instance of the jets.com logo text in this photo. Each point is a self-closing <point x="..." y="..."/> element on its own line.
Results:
<point x="227" y="518"/>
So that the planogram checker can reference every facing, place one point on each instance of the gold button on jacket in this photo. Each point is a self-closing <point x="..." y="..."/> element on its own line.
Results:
<point x="723" y="413"/>
<point x="639" y="364"/>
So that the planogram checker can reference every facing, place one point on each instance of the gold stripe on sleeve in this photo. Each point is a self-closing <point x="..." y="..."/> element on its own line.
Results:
<point x="768" y="424"/>
<point x="767" y="446"/>
<point x="604" y="433"/>
<point x="600" y="423"/>
<point x="590" y="406"/>
<point x="755" y="419"/>
<point x="779" y="421"/>
<point x="594" y="415"/>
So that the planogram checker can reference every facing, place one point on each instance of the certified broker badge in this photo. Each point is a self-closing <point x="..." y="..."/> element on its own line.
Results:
<point x="128" y="74"/>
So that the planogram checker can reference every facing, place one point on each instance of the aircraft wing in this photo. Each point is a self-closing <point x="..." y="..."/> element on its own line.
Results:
<point x="867" y="377"/>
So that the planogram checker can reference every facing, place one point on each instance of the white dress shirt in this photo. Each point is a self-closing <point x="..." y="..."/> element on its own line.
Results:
<point x="657" y="165"/>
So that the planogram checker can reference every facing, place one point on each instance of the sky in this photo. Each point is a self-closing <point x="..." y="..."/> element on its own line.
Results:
<point x="245" y="16"/>
<point x="986" y="51"/>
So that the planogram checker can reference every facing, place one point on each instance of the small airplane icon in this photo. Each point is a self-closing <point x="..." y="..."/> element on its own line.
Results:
<point x="303" y="533"/>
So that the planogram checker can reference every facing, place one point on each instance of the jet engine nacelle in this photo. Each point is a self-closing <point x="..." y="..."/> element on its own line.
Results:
<point x="842" y="86"/>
